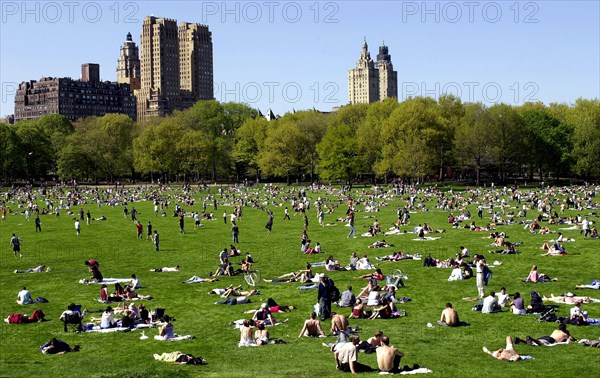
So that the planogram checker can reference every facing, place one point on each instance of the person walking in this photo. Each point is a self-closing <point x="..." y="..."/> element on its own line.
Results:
<point x="38" y="224"/>
<point x="77" y="227"/>
<point x="15" y="241"/>
<point x="149" y="228"/>
<point x="351" y="224"/>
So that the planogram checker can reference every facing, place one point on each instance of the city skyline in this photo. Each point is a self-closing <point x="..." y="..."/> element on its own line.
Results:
<point x="288" y="55"/>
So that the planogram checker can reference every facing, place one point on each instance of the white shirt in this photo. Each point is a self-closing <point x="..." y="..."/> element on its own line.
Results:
<point x="456" y="275"/>
<point x="503" y="299"/>
<point x="488" y="304"/>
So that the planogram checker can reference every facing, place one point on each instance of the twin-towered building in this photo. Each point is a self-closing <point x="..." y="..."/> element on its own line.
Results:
<point x="372" y="81"/>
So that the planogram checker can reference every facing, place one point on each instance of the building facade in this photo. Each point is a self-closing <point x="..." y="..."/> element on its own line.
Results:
<point x="176" y="66"/>
<point x="372" y="81"/>
<point x="128" y="65"/>
<point x="73" y="98"/>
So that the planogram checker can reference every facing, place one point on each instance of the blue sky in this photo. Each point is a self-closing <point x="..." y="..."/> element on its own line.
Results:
<point x="289" y="55"/>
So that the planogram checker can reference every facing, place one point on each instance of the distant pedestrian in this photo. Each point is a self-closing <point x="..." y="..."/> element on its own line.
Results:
<point x="15" y="241"/>
<point x="140" y="229"/>
<point x="134" y="214"/>
<point x="3" y="215"/>
<point x="88" y="217"/>
<point x="269" y="225"/>
<point x="235" y="232"/>
<point x="225" y="217"/>
<point x="156" y="240"/>
<point x="77" y="227"/>
<point x="181" y="224"/>
<point x="286" y="214"/>
<point x="38" y="224"/>
<point x="149" y="228"/>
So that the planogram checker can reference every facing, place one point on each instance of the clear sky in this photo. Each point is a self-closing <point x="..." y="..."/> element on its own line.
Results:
<point x="289" y="55"/>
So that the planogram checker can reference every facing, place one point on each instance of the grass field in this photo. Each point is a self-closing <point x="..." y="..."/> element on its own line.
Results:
<point x="449" y="352"/>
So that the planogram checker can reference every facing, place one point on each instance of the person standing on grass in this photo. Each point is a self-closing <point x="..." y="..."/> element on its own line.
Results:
<point x="77" y="227"/>
<point x="235" y="232"/>
<point x="133" y="214"/>
<point x="88" y="217"/>
<point x="38" y="224"/>
<point x="480" y="268"/>
<point x="140" y="229"/>
<point x="15" y="241"/>
<point x="286" y="214"/>
<point x="149" y="228"/>
<point x="351" y="224"/>
<point x="156" y="240"/>
<point x="3" y="215"/>
<point x="269" y="225"/>
<point x="181" y="224"/>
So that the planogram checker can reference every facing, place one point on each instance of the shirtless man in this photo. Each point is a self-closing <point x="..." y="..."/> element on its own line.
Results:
<point x="449" y="317"/>
<point x="312" y="327"/>
<point x="506" y="354"/>
<point x="339" y="325"/>
<point x="388" y="358"/>
<point x="559" y="335"/>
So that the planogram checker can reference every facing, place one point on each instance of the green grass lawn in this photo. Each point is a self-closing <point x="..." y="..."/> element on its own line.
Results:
<point x="448" y="352"/>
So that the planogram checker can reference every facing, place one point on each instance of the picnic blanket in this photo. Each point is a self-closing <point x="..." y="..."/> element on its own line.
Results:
<point x="106" y="281"/>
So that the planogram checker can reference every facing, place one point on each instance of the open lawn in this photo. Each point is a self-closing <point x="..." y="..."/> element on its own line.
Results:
<point x="449" y="352"/>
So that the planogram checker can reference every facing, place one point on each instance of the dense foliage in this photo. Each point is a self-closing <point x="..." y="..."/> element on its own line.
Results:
<point x="417" y="139"/>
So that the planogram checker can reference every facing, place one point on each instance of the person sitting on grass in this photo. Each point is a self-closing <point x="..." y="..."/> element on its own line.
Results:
<point x="246" y="338"/>
<point x="517" y="305"/>
<point x="506" y="354"/>
<point x="358" y="311"/>
<point x="55" y="346"/>
<point x="24" y="297"/>
<point x="166" y="331"/>
<point x="346" y="357"/>
<point x="312" y="327"/>
<point x="108" y="319"/>
<point x="559" y="335"/>
<point x="261" y="335"/>
<point x="71" y="316"/>
<point x="264" y="315"/>
<point x="449" y="317"/>
<point x="535" y="277"/>
<point x="388" y="357"/>
<point x="490" y="304"/>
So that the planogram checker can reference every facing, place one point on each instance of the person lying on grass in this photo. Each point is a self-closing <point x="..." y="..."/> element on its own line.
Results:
<point x="167" y="269"/>
<point x="233" y="292"/>
<point x="55" y="346"/>
<point x="38" y="269"/>
<point x="506" y="354"/>
<point x="559" y="335"/>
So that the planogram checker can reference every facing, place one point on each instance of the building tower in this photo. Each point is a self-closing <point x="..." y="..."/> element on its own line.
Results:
<point x="388" y="78"/>
<point x="90" y="72"/>
<point x="128" y="65"/>
<point x="159" y="85"/>
<point x="363" y="81"/>
<point x="195" y="63"/>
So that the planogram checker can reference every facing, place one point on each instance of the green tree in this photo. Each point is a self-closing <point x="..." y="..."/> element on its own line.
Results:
<point x="338" y="152"/>
<point x="250" y="138"/>
<point x="473" y="139"/>
<point x="12" y="154"/>
<point x="281" y="154"/>
<point x="508" y="142"/>
<point x="585" y="119"/>
<point x="452" y="111"/>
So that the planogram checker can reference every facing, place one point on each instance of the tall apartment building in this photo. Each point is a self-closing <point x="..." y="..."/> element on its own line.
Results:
<point x="128" y="65"/>
<point x="176" y="66"/>
<point x="73" y="98"/>
<point x="372" y="81"/>
<point x="388" y="78"/>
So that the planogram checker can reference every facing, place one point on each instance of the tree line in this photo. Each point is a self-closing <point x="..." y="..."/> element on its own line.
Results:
<point x="416" y="139"/>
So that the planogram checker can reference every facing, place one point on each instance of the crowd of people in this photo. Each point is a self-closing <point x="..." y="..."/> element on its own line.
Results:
<point x="377" y="297"/>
